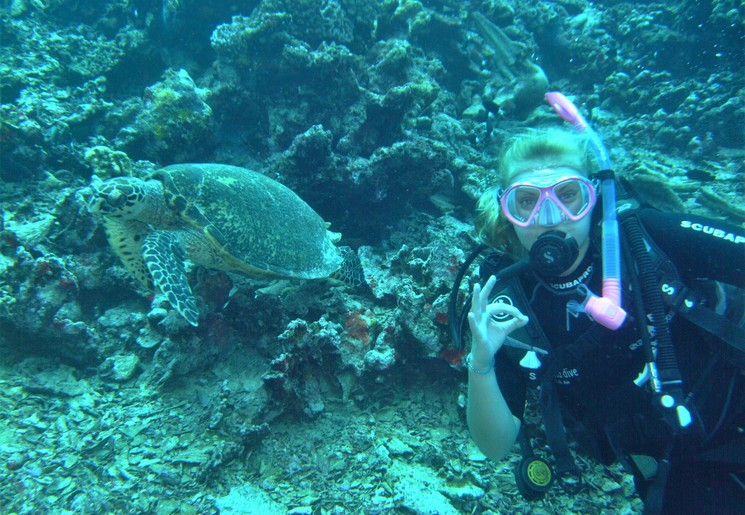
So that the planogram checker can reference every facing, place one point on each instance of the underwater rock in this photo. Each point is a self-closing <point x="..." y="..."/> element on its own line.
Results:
<point x="518" y="85"/>
<point x="441" y="35"/>
<point x="653" y="187"/>
<point x="175" y="359"/>
<point x="412" y="311"/>
<point x="419" y="279"/>
<point x="310" y="151"/>
<point x="462" y="491"/>
<point x="313" y="21"/>
<point x="30" y="233"/>
<point x="362" y="341"/>
<point x="240" y="38"/>
<point x="398" y="448"/>
<point x="53" y="78"/>
<point x="418" y="489"/>
<point x="107" y="163"/>
<point x="382" y="355"/>
<point x="522" y="95"/>
<point x="42" y="312"/>
<point x="704" y="105"/>
<point x="672" y="113"/>
<point x="431" y="266"/>
<point x="371" y="100"/>
<point x="119" y="327"/>
<point x="392" y="61"/>
<point x="476" y="111"/>
<point x="175" y="123"/>
<point x="403" y="167"/>
<point x="258" y="57"/>
<point x="378" y="95"/>
<point x="21" y="145"/>
<point x="247" y="498"/>
<point x="45" y="376"/>
<point x="150" y="338"/>
<point x="293" y="388"/>
<point x="120" y="368"/>
<point x="728" y="208"/>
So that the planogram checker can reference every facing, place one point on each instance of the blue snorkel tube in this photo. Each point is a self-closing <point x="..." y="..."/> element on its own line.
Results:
<point x="605" y="310"/>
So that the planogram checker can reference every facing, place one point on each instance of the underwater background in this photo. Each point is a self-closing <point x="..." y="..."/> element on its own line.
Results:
<point x="387" y="117"/>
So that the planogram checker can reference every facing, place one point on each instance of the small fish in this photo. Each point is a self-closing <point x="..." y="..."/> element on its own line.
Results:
<point x="169" y="10"/>
<point x="493" y="112"/>
<point x="700" y="175"/>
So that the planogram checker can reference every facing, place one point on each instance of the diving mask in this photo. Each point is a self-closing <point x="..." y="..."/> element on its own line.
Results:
<point x="548" y="202"/>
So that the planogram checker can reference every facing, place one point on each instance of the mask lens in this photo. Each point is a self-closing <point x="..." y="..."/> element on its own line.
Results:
<point x="574" y="195"/>
<point x="520" y="202"/>
<point x="567" y="200"/>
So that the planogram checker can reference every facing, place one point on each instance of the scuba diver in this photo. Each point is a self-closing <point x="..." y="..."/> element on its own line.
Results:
<point x="649" y="371"/>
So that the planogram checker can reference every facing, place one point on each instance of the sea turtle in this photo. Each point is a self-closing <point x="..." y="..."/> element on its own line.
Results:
<point x="218" y="216"/>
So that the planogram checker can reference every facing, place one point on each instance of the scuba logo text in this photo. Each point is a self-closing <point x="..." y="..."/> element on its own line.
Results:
<point x="713" y="231"/>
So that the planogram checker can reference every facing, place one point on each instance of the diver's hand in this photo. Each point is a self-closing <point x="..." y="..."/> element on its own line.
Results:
<point x="488" y="333"/>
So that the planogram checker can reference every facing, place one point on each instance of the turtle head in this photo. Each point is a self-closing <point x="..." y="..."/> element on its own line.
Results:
<point x="124" y="197"/>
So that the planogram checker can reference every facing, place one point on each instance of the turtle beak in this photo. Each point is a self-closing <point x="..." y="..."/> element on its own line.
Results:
<point x="110" y="198"/>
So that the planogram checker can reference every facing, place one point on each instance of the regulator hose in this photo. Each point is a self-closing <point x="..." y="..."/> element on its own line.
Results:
<point x="666" y="360"/>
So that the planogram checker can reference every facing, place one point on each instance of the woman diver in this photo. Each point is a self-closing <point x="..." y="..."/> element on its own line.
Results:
<point x="652" y="369"/>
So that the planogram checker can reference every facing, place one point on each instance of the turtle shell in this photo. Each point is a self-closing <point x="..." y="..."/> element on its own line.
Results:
<point x="257" y="225"/>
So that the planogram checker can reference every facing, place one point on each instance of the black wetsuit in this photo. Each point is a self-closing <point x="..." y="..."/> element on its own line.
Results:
<point x="594" y="378"/>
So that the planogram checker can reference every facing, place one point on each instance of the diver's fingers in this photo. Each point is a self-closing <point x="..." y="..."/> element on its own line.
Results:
<point x="502" y="308"/>
<point x="486" y="290"/>
<point x="516" y="323"/>
<point x="472" y="323"/>
<point x="476" y="299"/>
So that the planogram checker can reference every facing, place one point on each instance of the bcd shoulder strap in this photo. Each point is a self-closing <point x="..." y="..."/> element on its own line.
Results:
<point x="691" y="303"/>
<point x="688" y="303"/>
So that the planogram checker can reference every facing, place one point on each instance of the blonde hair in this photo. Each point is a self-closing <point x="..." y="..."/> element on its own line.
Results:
<point x="530" y="151"/>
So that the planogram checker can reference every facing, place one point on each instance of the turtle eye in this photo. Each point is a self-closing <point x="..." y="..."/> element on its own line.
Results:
<point x="179" y="203"/>
<point x="116" y="199"/>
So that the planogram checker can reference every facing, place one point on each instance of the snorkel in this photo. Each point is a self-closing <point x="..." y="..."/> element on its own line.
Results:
<point x="605" y="310"/>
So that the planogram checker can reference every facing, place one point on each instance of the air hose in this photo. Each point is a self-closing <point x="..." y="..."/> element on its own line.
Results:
<point x="456" y="322"/>
<point x="664" y="373"/>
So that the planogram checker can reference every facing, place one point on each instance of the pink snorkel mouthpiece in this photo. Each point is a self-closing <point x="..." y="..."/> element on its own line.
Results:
<point x="605" y="310"/>
<point x="566" y="109"/>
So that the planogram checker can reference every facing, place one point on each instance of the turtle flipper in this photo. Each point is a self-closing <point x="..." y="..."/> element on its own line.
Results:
<point x="350" y="271"/>
<point x="164" y="258"/>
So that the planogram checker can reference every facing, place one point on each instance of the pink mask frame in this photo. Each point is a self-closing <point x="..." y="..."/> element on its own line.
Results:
<point x="558" y="214"/>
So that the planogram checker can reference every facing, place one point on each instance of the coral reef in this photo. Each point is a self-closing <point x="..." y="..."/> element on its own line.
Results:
<point x="54" y="88"/>
<point x="387" y="118"/>
<point x="175" y="124"/>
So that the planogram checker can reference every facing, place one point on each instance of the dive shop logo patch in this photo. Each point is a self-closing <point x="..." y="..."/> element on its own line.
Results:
<point x="503" y="299"/>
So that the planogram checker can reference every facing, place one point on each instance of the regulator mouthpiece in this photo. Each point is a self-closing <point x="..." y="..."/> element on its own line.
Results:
<point x="553" y="253"/>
